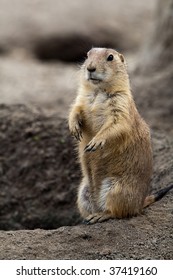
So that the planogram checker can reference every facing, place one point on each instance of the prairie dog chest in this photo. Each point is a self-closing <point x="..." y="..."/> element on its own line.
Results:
<point x="97" y="105"/>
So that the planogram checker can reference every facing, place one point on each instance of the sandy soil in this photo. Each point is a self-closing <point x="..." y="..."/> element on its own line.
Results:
<point x="39" y="178"/>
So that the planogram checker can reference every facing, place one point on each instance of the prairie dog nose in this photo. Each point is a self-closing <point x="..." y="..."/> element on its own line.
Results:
<point x="91" y="69"/>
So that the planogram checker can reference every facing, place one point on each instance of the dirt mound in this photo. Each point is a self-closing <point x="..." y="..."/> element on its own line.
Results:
<point x="38" y="171"/>
<point x="39" y="177"/>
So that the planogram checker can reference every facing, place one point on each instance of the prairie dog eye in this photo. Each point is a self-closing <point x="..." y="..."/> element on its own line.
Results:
<point x="110" y="57"/>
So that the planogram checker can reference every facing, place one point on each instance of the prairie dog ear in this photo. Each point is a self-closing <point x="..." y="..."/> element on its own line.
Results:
<point x="121" y="57"/>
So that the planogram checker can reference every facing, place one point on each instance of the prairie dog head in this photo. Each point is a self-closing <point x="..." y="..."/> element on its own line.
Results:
<point x="102" y="67"/>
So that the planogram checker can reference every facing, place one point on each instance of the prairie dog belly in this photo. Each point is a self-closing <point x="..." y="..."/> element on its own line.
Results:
<point x="95" y="111"/>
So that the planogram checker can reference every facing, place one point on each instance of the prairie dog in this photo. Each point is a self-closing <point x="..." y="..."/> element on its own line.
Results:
<point x="113" y="141"/>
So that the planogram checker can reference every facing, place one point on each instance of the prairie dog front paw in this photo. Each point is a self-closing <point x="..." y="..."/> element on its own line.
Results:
<point x="94" y="144"/>
<point x="75" y="125"/>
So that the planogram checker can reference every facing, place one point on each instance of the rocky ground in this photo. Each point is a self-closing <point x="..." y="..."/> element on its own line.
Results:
<point x="39" y="172"/>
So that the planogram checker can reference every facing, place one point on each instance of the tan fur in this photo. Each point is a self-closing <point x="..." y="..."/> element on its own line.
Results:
<point x="114" y="141"/>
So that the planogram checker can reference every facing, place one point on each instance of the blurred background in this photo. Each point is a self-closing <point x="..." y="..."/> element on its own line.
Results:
<point x="43" y="42"/>
<point x="42" y="45"/>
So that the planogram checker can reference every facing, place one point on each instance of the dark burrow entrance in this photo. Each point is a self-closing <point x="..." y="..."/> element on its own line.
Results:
<point x="72" y="48"/>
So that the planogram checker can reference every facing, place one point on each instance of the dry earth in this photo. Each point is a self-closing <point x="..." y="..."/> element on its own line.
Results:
<point x="39" y="177"/>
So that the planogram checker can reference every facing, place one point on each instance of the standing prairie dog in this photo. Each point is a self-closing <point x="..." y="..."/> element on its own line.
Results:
<point x="114" y="141"/>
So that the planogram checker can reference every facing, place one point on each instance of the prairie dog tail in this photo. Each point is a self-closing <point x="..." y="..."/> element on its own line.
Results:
<point x="156" y="196"/>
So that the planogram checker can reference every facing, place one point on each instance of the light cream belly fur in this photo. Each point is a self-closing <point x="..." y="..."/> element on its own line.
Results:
<point x="96" y="105"/>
